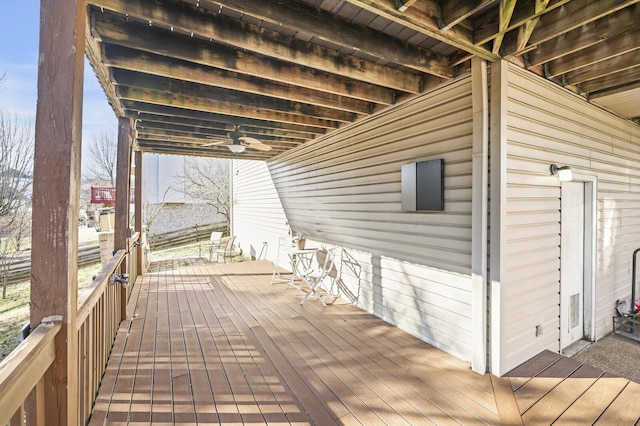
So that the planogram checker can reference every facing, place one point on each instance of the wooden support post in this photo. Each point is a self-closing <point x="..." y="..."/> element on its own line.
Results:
<point x="56" y="196"/>
<point x="138" y="208"/>
<point x="121" y="233"/>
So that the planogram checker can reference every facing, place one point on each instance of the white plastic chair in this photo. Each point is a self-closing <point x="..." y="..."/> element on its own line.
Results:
<point x="279" y="276"/>
<point x="321" y="275"/>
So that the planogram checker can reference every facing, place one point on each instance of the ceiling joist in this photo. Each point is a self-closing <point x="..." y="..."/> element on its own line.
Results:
<point x="290" y="71"/>
<point x="116" y="31"/>
<point x="156" y="65"/>
<point x="267" y="43"/>
<point x="324" y="26"/>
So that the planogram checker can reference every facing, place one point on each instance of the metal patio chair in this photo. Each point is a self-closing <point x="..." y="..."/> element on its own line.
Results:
<point x="321" y="276"/>
<point x="227" y="251"/>
<point x="214" y="242"/>
<point x="279" y="275"/>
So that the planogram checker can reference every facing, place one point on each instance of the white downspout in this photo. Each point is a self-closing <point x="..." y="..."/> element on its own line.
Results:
<point x="479" y="213"/>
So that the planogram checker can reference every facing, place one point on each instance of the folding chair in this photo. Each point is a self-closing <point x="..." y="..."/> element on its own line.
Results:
<point x="214" y="242"/>
<point x="322" y="275"/>
<point x="226" y="251"/>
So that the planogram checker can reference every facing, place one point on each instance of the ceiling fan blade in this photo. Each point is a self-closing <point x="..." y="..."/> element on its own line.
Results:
<point x="259" y="147"/>
<point x="254" y="143"/>
<point x="213" y="143"/>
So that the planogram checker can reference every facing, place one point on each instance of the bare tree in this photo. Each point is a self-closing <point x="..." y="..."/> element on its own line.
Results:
<point x="16" y="165"/>
<point x="207" y="180"/>
<point x="151" y="211"/>
<point x="103" y="153"/>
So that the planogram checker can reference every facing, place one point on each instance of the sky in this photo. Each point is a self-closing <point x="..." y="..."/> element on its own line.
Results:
<point x="19" y="26"/>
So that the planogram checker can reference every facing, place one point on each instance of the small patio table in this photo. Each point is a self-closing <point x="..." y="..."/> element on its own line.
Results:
<point x="300" y="261"/>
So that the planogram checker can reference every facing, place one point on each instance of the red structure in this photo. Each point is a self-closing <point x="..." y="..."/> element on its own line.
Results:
<point x="104" y="195"/>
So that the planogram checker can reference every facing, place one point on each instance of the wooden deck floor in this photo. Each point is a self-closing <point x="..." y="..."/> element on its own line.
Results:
<point x="552" y="389"/>
<point x="218" y="344"/>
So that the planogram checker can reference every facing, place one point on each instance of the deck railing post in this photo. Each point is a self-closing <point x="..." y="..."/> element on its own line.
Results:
<point x="123" y="196"/>
<point x="138" y="209"/>
<point x="56" y="195"/>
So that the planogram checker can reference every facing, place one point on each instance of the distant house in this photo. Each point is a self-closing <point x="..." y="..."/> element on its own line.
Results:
<point x="159" y="176"/>
<point x="162" y="191"/>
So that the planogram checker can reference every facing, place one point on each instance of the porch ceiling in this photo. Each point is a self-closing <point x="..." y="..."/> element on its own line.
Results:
<point x="289" y="71"/>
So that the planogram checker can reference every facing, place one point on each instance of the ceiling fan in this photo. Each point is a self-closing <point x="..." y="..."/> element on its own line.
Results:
<point x="238" y="142"/>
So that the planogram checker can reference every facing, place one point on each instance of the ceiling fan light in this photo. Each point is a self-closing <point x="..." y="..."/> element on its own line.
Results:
<point x="236" y="149"/>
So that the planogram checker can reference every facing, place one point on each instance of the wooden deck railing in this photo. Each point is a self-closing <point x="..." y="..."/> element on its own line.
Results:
<point x="98" y="320"/>
<point x="22" y="374"/>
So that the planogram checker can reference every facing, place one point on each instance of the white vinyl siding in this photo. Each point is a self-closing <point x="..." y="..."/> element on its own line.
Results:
<point x="545" y="125"/>
<point x="258" y="216"/>
<point x="159" y="177"/>
<point x="345" y="189"/>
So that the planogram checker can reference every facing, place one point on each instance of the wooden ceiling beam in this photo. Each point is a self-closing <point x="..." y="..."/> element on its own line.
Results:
<point x="162" y="147"/>
<point x="200" y="142"/>
<point x="140" y="110"/>
<point x="135" y="60"/>
<point x="204" y="127"/>
<point x="170" y="134"/>
<point x="205" y="143"/>
<point x="147" y="134"/>
<point x="618" y="45"/>
<point x="604" y="68"/>
<point x="141" y="81"/>
<point x="324" y="25"/>
<point x="93" y="51"/>
<point x="423" y="18"/>
<point x="631" y="87"/>
<point x="114" y="30"/>
<point x="454" y="12"/>
<point x="181" y="125"/>
<point x="505" y="12"/>
<point x="611" y="81"/>
<point x="220" y="107"/>
<point x="523" y="33"/>
<point x="588" y="35"/>
<point x="150" y="127"/>
<point x="210" y="144"/>
<point x="486" y="27"/>
<point x="242" y="35"/>
<point x="572" y="15"/>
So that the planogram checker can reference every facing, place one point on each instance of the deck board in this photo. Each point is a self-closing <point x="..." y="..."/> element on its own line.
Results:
<point x="219" y="344"/>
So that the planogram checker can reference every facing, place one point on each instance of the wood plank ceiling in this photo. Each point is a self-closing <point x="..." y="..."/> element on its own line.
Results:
<point x="288" y="71"/>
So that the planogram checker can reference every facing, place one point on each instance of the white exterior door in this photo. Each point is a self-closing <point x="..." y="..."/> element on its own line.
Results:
<point x="572" y="263"/>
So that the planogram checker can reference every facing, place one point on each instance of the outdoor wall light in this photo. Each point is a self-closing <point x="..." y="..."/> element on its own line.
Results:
<point x="564" y="172"/>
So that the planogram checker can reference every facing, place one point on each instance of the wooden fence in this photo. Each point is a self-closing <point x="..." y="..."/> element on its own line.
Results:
<point x="178" y="237"/>
<point x="21" y="267"/>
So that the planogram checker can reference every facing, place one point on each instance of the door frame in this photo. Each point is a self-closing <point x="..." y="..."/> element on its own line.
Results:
<point x="590" y="256"/>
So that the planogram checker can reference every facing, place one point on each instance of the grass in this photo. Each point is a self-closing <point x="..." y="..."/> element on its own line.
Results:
<point x="14" y="310"/>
